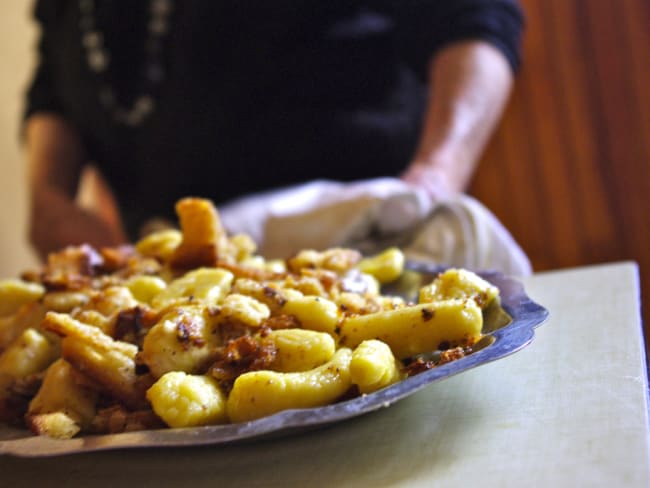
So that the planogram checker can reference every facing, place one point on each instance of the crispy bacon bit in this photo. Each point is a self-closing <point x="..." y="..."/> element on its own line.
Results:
<point x="240" y="356"/>
<point x="283" y="322"/>
<point x="115" y="258"/>
<point x="453" y="354"/>
<point x="275" y="296"/>
<point x="72" y="268"/>
<point x="116" y="419"/>
<point x="189" y="332"/>
<point x="228" y="331"/>
<point x="427" y="314"/>
<point x="265" y="331"/>
<point x="132" y="325"/>
<point x="83" y="260"/>
<point x="418" y="366"/>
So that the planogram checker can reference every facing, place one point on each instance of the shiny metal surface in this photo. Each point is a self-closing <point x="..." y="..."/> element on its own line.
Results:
<point x="508" y="329"/>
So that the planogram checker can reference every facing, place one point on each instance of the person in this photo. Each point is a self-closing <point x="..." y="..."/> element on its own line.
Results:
<point x="222" y="98"/>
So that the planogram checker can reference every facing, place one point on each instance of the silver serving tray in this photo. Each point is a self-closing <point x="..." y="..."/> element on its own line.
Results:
<point x="508" y="328"/>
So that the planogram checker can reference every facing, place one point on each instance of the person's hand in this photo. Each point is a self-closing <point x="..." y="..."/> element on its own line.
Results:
<point x="56" y="160"/>
<point x="57" y="221"/>
<point x="438" y="171"/>
<point x="431" y="179"/>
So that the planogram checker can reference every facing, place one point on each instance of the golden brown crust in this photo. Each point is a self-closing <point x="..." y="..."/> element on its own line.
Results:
<point x="116" y="419"/>
<point x="240" y="356"/>
<point x="202" y="234"/>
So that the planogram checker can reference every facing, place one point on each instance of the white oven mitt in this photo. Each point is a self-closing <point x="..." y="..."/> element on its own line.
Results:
<point x="371" y="215"/>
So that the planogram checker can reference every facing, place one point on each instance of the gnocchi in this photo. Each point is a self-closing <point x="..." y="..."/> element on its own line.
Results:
<point x="183" y="400"/>
<point x="373" y="366"/>
<point x="190" y="327"/>
<point x="260" y="393"/>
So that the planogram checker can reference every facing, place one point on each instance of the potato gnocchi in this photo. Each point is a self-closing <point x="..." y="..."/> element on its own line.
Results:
<point x="191" y="327"/>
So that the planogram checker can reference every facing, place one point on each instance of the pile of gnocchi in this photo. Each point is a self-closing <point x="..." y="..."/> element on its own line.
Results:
<point x="191" y="327"/>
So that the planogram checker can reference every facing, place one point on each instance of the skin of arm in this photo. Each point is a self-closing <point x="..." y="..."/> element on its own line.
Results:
<point x="470" y="82"/>
<point x="55" y="158"/>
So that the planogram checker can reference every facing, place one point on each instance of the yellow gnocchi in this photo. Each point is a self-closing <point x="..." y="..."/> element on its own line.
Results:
<point x="183" y="400"/>
<point x="63" y="401"/>
<point x="373" y="366"/>
<point x="260" y="393"/>
<point x="386" y="266"/>
<point x="314" y="313"/>
<point x="209" y="285"/>
<point x="418" y="329"/>
<point x="30" y="353"/>
<point x="300" y="349"/>
<point x="245" y="309"/>
<point x="160" y="244"/>
<point x="459" y="284"/>
<point x="179" y="342"/>
<point x="144" y="288"/>
<point x="16" y="293"/>
<point x="192" y="328"/>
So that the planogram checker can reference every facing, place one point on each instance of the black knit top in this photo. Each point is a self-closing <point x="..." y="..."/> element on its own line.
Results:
<point x="256" y="93"/>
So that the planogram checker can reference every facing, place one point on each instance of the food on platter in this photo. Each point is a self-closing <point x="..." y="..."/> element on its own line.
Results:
<point x="191" y="327"/>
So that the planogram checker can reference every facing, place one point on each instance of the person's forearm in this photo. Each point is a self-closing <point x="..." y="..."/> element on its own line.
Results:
<point x="469" y="86"/>
<point x="55" y="158"/>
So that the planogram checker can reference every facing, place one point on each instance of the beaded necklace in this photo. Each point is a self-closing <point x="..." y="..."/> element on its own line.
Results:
<point x="98" y="58"/>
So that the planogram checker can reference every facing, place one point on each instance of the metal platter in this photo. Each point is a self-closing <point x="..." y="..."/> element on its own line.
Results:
<point x="507" y="328"/>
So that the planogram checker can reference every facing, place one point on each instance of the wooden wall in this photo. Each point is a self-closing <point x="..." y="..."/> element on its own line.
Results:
<point x="568" y="171"/>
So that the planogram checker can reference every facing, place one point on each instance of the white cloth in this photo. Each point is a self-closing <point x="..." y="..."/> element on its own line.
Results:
<point x="371" y="215"/>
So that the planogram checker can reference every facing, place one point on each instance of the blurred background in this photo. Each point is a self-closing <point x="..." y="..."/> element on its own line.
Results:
<point x="17" y="42"/>
<point x="568" y="171"/>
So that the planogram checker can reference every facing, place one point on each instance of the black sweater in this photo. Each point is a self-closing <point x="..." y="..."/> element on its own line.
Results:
<point x="257" y="93"/>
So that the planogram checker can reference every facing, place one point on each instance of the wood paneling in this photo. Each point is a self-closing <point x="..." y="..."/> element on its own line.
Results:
<point x="568" y="171"/>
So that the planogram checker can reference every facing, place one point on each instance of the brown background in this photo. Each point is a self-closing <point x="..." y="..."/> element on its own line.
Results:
<point x="568" y="171"/>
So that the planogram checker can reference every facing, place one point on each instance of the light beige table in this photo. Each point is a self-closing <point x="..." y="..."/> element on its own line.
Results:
<point x="569" y="410"/>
